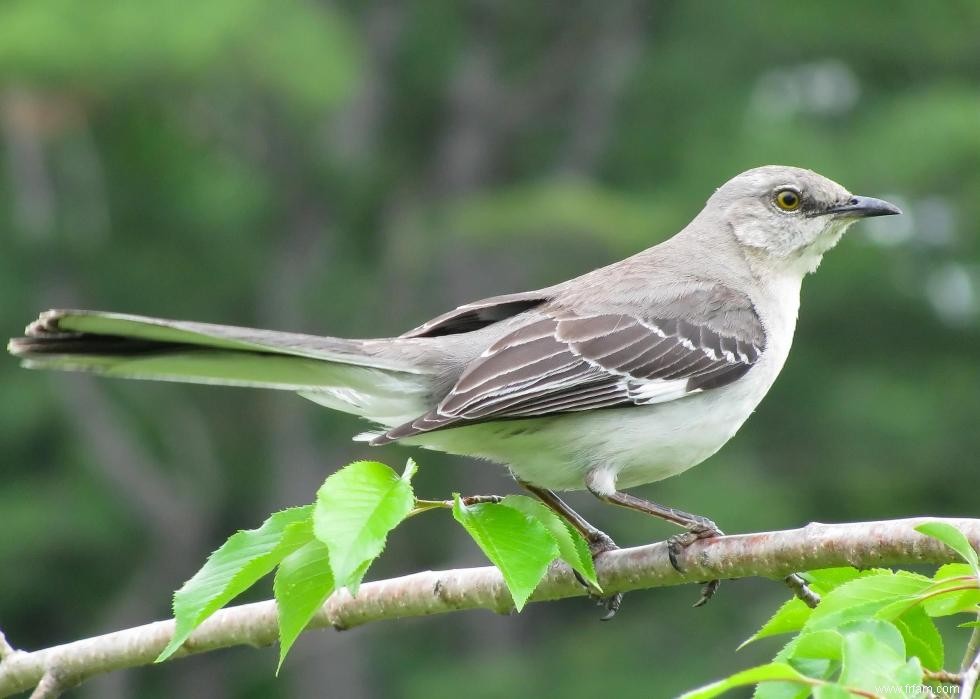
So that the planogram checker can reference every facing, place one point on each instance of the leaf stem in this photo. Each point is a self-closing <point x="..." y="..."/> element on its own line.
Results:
<point x="426" y="505"/>
<point x="814" y="682"/>
<point x="972" y="649"/>
<point x="971" y="677"/>
<point x="943" y="676"/>
<point x="937" y="593"/>
<point x="937" y="589"/>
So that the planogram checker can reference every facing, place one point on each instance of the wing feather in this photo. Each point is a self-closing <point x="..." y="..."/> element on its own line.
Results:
<point x="564" y="362"/>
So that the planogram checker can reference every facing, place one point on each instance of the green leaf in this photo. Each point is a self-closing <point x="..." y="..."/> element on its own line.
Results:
<point x="356" y="508"/>
<point x="244" y="558"/>
<point x="763" y="673"/>
<point x="826" y="579"/>
<point x="519" y="546"/>
<point x="825" y="644"/>
<point x="884" y="632"/>
<point x="302" y="584"/>
<point x="844" y="607"/>
<point x="793" y="614"/>
<point x="811" y="668"/>
<point x="572" y="546"/>
<point x="952" y="570"/>
<point x="953" y="602"/>
<point x="943" y="598"/>
<point x="874" y="657"/>
<point x="815" y="654"/>
<point x="951" y="591"/>
<point x="969" y="625"/>
<point x="955" y="539"/>
<point x="411" y="468"/>
<point x="864" y="596"/>
<point x="922" y="638"/>
<point x="817" y="668"/>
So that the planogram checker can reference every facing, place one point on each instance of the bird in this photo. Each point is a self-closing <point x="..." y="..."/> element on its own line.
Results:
<point x="623" y="376"/>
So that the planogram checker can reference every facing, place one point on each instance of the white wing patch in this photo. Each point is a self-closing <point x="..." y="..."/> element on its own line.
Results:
<point x="657" y="391"/>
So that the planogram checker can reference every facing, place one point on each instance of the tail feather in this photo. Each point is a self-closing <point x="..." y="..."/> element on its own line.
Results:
<point x="355" y="376"/>
<point x="76" y="343"/>
<point x="83" y="327"/>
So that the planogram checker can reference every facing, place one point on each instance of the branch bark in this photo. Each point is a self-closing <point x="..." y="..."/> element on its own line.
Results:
<point x="971" y="669"/>
<point x="770" y="555"/>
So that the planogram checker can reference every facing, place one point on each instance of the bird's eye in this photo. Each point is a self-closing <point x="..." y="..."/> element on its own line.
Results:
<point x="788" y="199"/>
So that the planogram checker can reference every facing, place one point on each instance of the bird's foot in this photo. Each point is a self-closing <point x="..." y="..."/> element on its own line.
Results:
<point x="702" y="528"/>
<point x="600" y="543"/>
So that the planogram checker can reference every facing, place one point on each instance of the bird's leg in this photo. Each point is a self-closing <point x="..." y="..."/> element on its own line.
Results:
<point x="697" y="527"/>
<point x="599" y="541"/>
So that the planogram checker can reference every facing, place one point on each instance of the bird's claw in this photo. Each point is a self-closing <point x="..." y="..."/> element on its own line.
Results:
<point x="708" y="590"/>
<point x="600" y="543"/>
<point x="611" y="604"/>
<point x="703" y="529"/>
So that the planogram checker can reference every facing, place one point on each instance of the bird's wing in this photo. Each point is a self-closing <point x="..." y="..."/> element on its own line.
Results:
<point x="567" y="361"/>
<point x="479" y="314"/>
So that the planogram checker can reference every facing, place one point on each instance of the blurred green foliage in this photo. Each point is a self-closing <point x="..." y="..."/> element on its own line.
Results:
<point x="355" y="168"/>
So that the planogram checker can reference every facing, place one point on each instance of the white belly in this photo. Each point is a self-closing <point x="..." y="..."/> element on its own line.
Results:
<point x="635" y="445"/>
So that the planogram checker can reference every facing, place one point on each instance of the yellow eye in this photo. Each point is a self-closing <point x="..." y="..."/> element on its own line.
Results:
<point x="788" y="199"/>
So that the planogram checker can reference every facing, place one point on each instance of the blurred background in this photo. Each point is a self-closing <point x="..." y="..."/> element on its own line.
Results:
<point x="354" y="168"/>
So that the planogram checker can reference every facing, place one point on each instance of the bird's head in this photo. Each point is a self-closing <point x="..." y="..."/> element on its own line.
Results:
<point x="789" y="216"/>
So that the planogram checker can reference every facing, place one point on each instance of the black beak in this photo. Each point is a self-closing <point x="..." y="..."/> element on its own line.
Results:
<point x="864" y="207"/>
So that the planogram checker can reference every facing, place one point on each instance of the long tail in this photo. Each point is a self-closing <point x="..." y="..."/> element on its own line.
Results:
<point x="363" y="377"/>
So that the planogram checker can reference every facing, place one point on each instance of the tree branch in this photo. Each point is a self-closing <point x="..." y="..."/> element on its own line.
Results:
<point x="971" y="670"/>
<point x="770" y="555"/>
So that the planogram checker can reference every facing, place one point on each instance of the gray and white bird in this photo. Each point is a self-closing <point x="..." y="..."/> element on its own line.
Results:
<point x="623" y="376"/>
